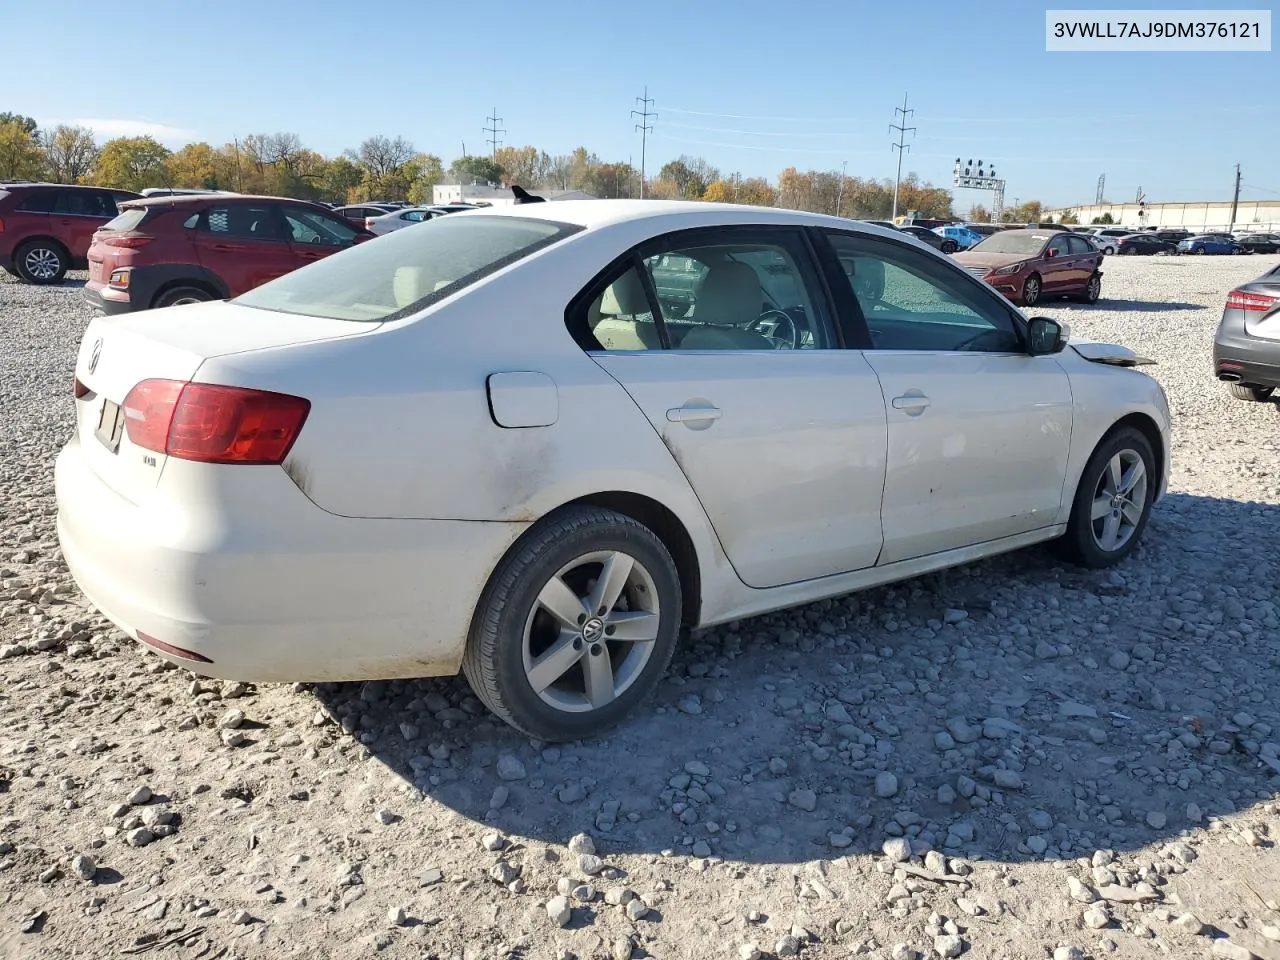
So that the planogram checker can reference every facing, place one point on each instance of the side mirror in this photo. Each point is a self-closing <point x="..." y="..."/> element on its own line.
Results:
<point x="1045" y="336"/>
<point x="1051" y="252"/>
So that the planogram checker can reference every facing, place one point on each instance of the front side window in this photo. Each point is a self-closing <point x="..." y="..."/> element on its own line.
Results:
<point x="307" y="226"/>
<point x="911" y="302"/>
<point x="730" y="294"/>
<point x="406" y="270"/>
<point x="1059" y="246"/>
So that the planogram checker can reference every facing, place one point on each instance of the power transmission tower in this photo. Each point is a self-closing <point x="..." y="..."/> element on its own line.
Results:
<point x="493" y="130"/>
<point x="1102" y="182"/>
<point x="900" y="146"/>
<point x="844" y="165"/>
<point x="645" y="126"/>
<point x="1235" y="200"/>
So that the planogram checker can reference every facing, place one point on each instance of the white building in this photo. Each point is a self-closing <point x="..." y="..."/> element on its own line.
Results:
<point x="1251" y="215"/>
<point x="495" y="196"/>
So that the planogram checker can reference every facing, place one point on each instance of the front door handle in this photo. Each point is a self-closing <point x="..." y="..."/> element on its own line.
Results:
<point x="693" y="414"/>
<point x="913" y="404"/>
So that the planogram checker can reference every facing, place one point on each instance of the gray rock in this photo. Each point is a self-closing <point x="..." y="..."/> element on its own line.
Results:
<point x="637" y="909"/>
<point x="1189" y="923"/>
<point x="1231" y="951"/>
<point x="1068" y="953"/>
<point x="503" y="872"/>
<point x="953" y="615"/>
<point x="559" y="911"/>
<point x="241" y="918"/>
<point x="946" y="794"/>
<point x="231" y="720"/>
<point x="1156" y="820"/>
<point x="140" y="796"/>
<point x="803" y="799"/>
<point x="1096" y="917"/>
<point x="139" y="837"/>
<point x="886" y="785"/>
<point x="1008" y="780"/>
<point x="749" y="951"/>
<point x="696" y="768"/>
<point x="787" y="946"/>
<point x="511" y="767"/>
<point x="897" y="849"/>
<point x="581" y="843"/>
<point x="622" y="949"/>
<point x="961" y="732"/>
<point x="590" y="864"/>
<point x="618" y="896"/>
<point x="1079" y="891"/>
<point x="948" y="945"/>
<point x="1118" y="660"/>
<point x="396" y="917"/>
<point x="83" y="866"/>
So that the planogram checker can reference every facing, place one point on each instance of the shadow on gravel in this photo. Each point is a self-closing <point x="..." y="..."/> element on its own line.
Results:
<point x="1012" y="709"/>
<point x="1109" y="305"/>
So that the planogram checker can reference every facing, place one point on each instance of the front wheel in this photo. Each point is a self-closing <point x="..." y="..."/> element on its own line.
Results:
<point x="950" y="246"/>
<point x="1112" y="502"/>
<point x="1093" y="291"/>
<point x="1245" y="391"/>
<point x="576" y="626"/>
<point x="1031" y="291"/>
<point x="1108" y="251"/>
<point x="178" y="296"/>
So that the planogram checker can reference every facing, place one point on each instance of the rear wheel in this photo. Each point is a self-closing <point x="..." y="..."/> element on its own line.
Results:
<point x="1093" y="291"/>
<point x="41" y="261"/>
<point x="178" y="296"/>
<point x="950" y="246"/>
<point x="1031" y="291"/>
<point x="1245" y="391"/>
<point x="576" y="626"/>
<point x="1108" y="251"/>
<point x="1112" y="502"/>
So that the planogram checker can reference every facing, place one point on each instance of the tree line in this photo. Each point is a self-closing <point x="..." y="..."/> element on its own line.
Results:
<point x="392" y="168"/>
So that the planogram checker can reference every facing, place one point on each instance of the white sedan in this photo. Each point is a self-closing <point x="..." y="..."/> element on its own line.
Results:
<point x="535" y="443"/>
<point x="399" y="219"/>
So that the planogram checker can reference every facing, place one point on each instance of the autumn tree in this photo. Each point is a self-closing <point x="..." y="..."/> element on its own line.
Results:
<point x="720" y="191"/>
<point x="690" y="175"/>
<point x="26" y="123"/>
<point x="475" y="169"/>
<point x="21" y="156"/>
<point x="522" y="165"/>
<point x="423" y="172"/>
<point x="131" y="163"/>
<point x="979" y="214"/>
<point x="1103" y="221"/>
<point x="756" y="191"/>
<point x="1069" y="217"/>
<point x="196" y="166"/>
<point x="69" y="153"/>
<point x="1030" y="212"/>
<point x="340" y="179"/>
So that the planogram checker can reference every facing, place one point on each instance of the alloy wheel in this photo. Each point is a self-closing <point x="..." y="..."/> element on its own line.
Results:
<point x="1031" y="291"/>
<point x="591" y="631"/>
<point x="42" y="263"/>
<point x="1119" y="499"/>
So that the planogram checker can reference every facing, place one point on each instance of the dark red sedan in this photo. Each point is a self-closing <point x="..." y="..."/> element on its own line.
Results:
<point x="1028" y="265"/>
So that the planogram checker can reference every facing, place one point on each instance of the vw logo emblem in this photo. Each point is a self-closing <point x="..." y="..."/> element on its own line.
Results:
<point x="95" y="355"/>
<point x="593" y="630"/>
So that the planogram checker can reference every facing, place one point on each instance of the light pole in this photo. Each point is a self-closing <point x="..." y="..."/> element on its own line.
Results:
<point x="973" y="177"/>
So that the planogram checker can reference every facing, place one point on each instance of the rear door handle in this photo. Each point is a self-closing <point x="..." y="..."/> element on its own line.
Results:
<point x="912" y="404"/>
<point x="693" y="414"/>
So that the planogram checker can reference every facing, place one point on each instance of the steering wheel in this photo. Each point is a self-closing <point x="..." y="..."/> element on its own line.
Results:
<point x="782" y="320"/>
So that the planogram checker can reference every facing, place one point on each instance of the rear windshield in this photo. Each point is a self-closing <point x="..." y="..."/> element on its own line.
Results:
<point x="128" y="220"/>
<point x="406" y="270"/>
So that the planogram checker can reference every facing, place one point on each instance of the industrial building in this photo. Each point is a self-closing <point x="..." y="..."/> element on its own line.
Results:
<point x="1251" y="215"/>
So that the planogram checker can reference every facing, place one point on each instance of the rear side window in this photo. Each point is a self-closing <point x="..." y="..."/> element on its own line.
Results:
<point x="129" y="220"/>
<point x="244" y="221"/>
<point x="406" y="270"/>
<point x="39" y="201"/>
<point x="84" y="203"/>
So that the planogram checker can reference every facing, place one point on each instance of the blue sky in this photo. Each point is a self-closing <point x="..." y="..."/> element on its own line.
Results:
<point x="750" y="85"/>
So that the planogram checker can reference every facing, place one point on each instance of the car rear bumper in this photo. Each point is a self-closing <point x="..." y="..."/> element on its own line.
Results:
<point x="276" y="590"/>
<point x="105" y="300"/>
<point x="1240" y="358"/>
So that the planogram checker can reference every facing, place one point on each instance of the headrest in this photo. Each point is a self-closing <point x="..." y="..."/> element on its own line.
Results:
<point x="729" y="295"/>
<point x="625" y="297"/>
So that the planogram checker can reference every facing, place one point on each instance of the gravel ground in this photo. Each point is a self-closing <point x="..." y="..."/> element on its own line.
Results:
<point x="1014" y="760"/>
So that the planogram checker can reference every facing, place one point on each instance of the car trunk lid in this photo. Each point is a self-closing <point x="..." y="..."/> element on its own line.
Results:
<point x="117" y="353"/>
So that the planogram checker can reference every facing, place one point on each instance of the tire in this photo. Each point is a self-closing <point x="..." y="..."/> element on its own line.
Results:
<point x="41" y="261"/>
<point x="950" y="246"/>
<point x="1092" y="292"/>
<point x="514" y="630"/>
<point x="1245" y="391"/>
<point x="1199" y="251"/>
<point x="1108" y="251"/>
<point x="1096" y="544"/>
<point x="177" y="296"/>
<point x="1031" y="290"/>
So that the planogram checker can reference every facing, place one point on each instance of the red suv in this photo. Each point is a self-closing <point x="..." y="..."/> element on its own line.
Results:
<point x="45" y="228"/>
<point x="163" y="251"/>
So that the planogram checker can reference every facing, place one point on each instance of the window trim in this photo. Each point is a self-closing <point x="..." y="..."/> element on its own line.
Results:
<point x="944" y="268"/>
<point x="797" y="244"/>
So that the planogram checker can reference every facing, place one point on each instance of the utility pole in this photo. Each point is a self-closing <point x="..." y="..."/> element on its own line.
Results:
<point x="493" y="130"/>
<point x="1235" y="201"/>
<point x="900" y="146"/>
<point x="844" y="165"/>
<point x="645" y="126"/>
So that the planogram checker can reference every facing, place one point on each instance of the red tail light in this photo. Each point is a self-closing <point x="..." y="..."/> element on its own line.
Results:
<point x="212" y="423"/>
<point x="1" y="226"/>
<point x="368" y="223"/>
<point x="127" y="241"/>
<point x="1258" y="302"/>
